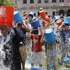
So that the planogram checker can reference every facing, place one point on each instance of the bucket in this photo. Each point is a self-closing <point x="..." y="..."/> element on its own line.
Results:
<point x="59" y="22"/>
<point x="42" y="14"/>
<point x="51" y="64"/>
<point x="6" y="15"/>
<point x="56" y="17"/>
<point x="47" y="19"/>
<point x="35" y="69"/>
<point x="17" y="17"/>
<point x="67" y="20"/>
<point x="32" y="13"/>
<point x="49" y="36"/>
<point x="25" y="15"/>
<point x="35" y="24"/>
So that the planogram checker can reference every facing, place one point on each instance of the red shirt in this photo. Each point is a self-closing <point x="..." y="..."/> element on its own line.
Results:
<point x="36" y="47"/>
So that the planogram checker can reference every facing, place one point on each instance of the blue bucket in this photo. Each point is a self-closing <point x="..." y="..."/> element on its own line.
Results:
<point x="49" y="36"/>
<point x="51" y="64"/>
<point x="17" y="17"/>
<point x="32" y="13"/>
<point x="67" y="20"/>
<point x="35" y="24"/>
<point x="35" y="69"/>
<point x="56" y="17"/>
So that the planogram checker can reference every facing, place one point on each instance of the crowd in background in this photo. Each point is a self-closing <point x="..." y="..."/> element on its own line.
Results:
<point x="22" y="39"/>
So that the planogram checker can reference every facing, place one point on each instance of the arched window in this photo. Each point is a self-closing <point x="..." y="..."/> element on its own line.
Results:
<point x="68" y="12"/>
<point x="61" y="12"/>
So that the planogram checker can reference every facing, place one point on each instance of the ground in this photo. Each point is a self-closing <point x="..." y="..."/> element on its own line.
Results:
<point x="59" y="67"/>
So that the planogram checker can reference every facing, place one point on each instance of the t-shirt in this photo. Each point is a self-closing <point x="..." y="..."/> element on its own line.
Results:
<point x="65" y="36"/>
<point x="36" y="44"/>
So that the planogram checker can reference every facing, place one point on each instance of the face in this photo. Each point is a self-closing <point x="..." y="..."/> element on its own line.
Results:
<point x="20" y="26"/>
<point x="66" y="28"/>
<point x="30" y="18"/>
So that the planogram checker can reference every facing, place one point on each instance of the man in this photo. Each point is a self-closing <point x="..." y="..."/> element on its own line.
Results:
<point x="19" y="46"/>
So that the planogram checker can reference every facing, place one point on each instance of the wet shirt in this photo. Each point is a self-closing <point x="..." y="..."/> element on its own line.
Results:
<point x="65" y="36"/>
<point x="36" y="44"/>
<point x="51" y="49"/>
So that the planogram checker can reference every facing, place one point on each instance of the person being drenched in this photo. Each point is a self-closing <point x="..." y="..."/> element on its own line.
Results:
<point x="19" y="49"/>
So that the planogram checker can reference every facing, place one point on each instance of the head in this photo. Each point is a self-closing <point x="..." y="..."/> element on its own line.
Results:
<point x="35" y="32"/>
<point x="30" y="16"/>
<point x="66" y="27"/>
<point x="4" y="30"/>
<point x="19" y="26"/>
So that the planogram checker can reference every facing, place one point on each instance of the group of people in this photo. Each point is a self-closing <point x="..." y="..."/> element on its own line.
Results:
<point x="14" y="44"/>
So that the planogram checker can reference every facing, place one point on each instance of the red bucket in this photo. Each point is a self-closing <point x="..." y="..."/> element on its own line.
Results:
<point x="42" y="14"/>
<point x="6" y="15"/>
<point x="47" y="19"/>
<point x="59" y="22"/>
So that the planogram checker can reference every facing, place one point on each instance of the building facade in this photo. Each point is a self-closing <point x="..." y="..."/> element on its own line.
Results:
<point x="52" y="7"/>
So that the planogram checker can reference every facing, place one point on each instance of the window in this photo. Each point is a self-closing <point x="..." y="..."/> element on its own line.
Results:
<point x="45" y="1"/>
<point x="53" y="0"/>
<point x="31" y="1"/>
<point x="39" y="1"/>
<point x="61" y="0"/>
<point x="24" y="1"/>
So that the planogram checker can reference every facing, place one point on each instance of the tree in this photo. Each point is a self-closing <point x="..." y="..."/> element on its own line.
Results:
<point x="6" y="3"/>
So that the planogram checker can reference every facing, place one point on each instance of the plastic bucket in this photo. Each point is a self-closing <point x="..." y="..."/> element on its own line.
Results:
<point x="47" y="19"/>
<point x="35" y="24"/>
<point x="56" y="17"/>
<point x="59" y="22"/>
<point x="35" y="69"/>
<point x="67" y="20"/>
<point x="32" y="13"/>
<point x="6" y="15"/>
<point x="17" y="17"/>
<point x="42" y="14"/>
<point x="49" y="36"/>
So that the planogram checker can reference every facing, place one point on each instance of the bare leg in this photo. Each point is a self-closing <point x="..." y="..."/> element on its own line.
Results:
<point x="55" y="67"/>
<point x="48" y="68"/>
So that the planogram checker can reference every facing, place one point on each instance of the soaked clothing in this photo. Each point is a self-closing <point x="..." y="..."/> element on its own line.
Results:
<point x="51" y="49"/>
<point x="65" y="42"/>
<point x="6" y="47"/>
<point x="65" y="36"/>
<point x="18" y="40"/>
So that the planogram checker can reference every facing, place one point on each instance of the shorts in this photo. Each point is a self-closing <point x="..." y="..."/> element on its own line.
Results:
<point x="36" y="57"/>
<point x="23" y="54"/>
<point x="53" y="58"/>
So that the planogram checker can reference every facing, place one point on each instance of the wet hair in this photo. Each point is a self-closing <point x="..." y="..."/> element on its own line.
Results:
<point x="19" y="24"/>
<point x="35" y="31"/>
